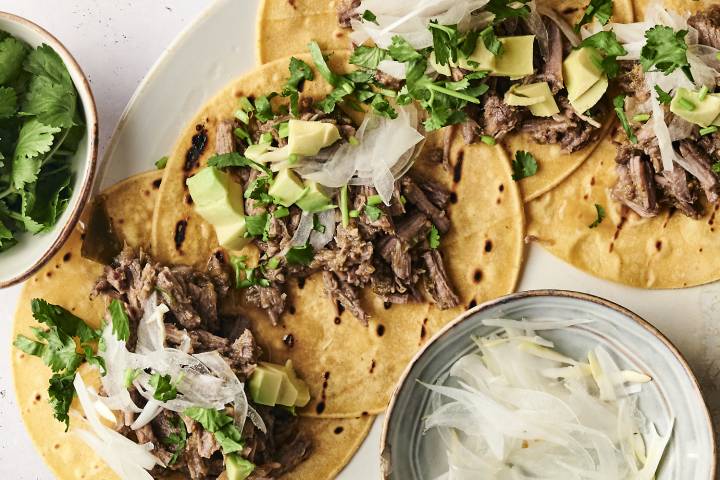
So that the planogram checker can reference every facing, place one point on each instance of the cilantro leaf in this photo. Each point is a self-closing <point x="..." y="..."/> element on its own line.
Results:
<point x="433" y="237"/>
<point x="600" y="212"/>
<point x="230" y="439"/>
<point x="445" y="37"/>
<point x="602" y="10"/>
<point x="368" y="57"/>
<point x="57" y="316"/>
<point x="52" y="103"/>
<point x="263" y="108"/>
<point x="319" y="59"/>
<point x="120" y="320"/>
<point x="45" y="62"/>
<point x="524" y="165"/>
<point x="6" y="236"/>
<point x="490" y="40"/>
<point x="504" y="9"/>
<point x="50" y="196"/>
<point x="663" y="96"/>
<point x="8" y="102"/>
<point x="246" y="276"/>
<point x="256" y="224"/>
<point x="373" y="212"/>
<point x="234" y="159"/>
<point x="177" y="440"/>
<point x="619" y="104"/>
<point x="401" y="51"/>
<point x="12" y="55"/>
<point x="664" y="50"/>
<point x="34" y="139"/>
<point x="299" y="73"/>
<point x="165" y="390"/>
<point x="221" y="425"/>
<point x="161" y="163"/>
<point x="300" y="255"/>
<point x="608" y="44"/>
<point x="60" y="395"/>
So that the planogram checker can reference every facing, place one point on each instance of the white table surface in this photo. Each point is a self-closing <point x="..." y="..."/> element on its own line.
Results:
<point x="117" y="41"/>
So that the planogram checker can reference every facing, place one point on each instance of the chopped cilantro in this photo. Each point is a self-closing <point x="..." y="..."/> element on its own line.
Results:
<point x="372" y="212"/>
<point x="504" y="9"/>
<point x="221" y="425"/>
<point x="374" y="200"/>
<point x="601" y="10"/>
<point x="165" y="390"/>
<point x="246" y="276"/>
<point x="177" y="439"/>
<point x="401" y="51"/>
<point x="433" y="237"/>
<point x="120" y="320"/>
<point x="161" y="163"/>
<point x="619" y="104"/>
<point x="490" y="40"/>
<point x="57" y="346"/>
<point x="300" y="255"/>
<point x="281" y="212"/>
<point x="368" y="57"/>
<point x="716" y="167"/>
<point x="608" y="44"/>
<point x="256" y="224"/>
<point x="445" y="38"/>
<point x="234" y="159"/>
<point x="299" y="73"/>
<point x="273" y="263"/>
<point x="130" y="375"/>
<point x="600" y="212"/>
<point x="369" y="16"/>
<point x="663" y="96"/>
<point x="524" y="165"/>
<point x="263" y="108"/>
<point x="665" y="50"/>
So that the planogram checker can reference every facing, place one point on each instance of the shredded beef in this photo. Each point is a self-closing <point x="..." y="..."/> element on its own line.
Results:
<point x="707" y="23"/>
<point x="565" y="128"/>
<point x="271" y="299"/>
<point x="345" y="294"/>
<point x="437" y="282"/>
<point x="499" y="118"/>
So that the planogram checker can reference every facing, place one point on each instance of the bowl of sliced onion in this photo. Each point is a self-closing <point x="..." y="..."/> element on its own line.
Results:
<point x="548" y="384"/>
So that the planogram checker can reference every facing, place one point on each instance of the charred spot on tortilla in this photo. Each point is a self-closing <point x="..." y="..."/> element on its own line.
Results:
<point x="457" y="168"/>
<point x="289" y="340"/>
<point x="337" y="321"/>
<point x="220" y="256"/>
<point x="301" y="283"/>
<point x="372" y="366"/>
<point x="658" y="245"/>
<point x="472" y="304"/>
<point x="453" y="197"/>
<point x="67" y="257"/>
<point x="387" y="305"/>
<point x="380" y="330"/>
<point x="423" y="329"/>
<point x="197" y="147"/>
<point x="100" y="241"/>
<point x="320" y="407"/>
<point x="501" y="188"/>
<point x="180" y="229"/>
<point x="188" y="199"/>
<point x="339" y="307"/>
<point x="291" y="309"/>
<point x="338" y="430"/>
<point x="156" y="183"/>
<point x="488" y="246"/>
<point x="477" y="276"/>
<point x="49" y="274"/>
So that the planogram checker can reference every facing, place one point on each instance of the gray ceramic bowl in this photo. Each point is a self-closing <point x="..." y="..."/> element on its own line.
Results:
<point x="407" y="454"/>
<point x="33" y="251"/>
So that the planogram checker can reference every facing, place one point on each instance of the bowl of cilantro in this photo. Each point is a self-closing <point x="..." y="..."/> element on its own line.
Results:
<point x="48" y="147"/>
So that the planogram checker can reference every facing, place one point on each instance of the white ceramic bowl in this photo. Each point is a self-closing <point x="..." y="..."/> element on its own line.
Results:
<point x="407" y="454"/>
<point x="33" y="251"/>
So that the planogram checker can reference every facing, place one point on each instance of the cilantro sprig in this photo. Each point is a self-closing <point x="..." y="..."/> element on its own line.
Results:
<point x="41" y="126"/>
<point x="524" y="165"/>
<point x="609" y="46"/>
<point x="599" y="216"/>
<point x="665" y="50"/>
<point x="219" y="424"/>
<point x="600" y="10"/>
<point x="63" y="344"/>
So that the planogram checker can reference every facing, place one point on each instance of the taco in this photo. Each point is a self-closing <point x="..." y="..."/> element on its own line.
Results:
<point x="346" y="245"/>
<point x="179" y="447"/>
<point x="544" y="100"/>
<point x="660" y="194"/>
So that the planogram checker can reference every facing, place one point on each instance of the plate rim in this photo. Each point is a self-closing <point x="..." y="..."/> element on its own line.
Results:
<point x="385" y="452"/>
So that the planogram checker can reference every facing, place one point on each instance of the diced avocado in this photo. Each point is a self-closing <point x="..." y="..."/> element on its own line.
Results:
<point x="265" y="385"/>
<point x="441" y="69"/>
<point x="588" y="99"/>
<point x="687" y="105"/>
<point x="581" y="71"/>
<point x="219" y="200"/>
<point x="516" y="59"/>
<point x="536" y="96"/>
<point x="273" y="384"/>
<point x="480" y="59"/>
<point x="232" y="236"/>
<point x="308" y="138"/>
<point x="315" y="199"/>
<point x="287" y="188"/>
<point x="237" y="467"/>
<point x="276" y="155"/>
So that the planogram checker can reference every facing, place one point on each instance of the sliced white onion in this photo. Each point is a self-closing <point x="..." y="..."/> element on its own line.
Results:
<point x="304" y="228"/>
<point x="319" y="239"/>
<point x="385" y="152"/>
<point x="393" y="68"/>
<point x="128" y="459"/>
<point x="516" y="407"/>
<point x="152" y="409"/>
<point x="538" y="324"/>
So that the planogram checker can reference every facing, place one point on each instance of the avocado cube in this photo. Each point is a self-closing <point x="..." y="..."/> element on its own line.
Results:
<point x="288" y="393"/>
<point x="233" y="236"/>
<point x="536" y="96"/>
<point x="588" y="99"/>
<point x="581" y="71"/>
<point x="516" y="59"/>
<point x="265" y="386"/>
<point x="308" y="138"/>
<point x="237" y="467"/>
<point x="703" y="113"/>
<point x="287" y="188"/>
<point x="303" y="392"/>
<point x="315" y="199"/>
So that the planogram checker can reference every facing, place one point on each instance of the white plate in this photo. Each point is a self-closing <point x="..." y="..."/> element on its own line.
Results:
<point x="220" y="45"/>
